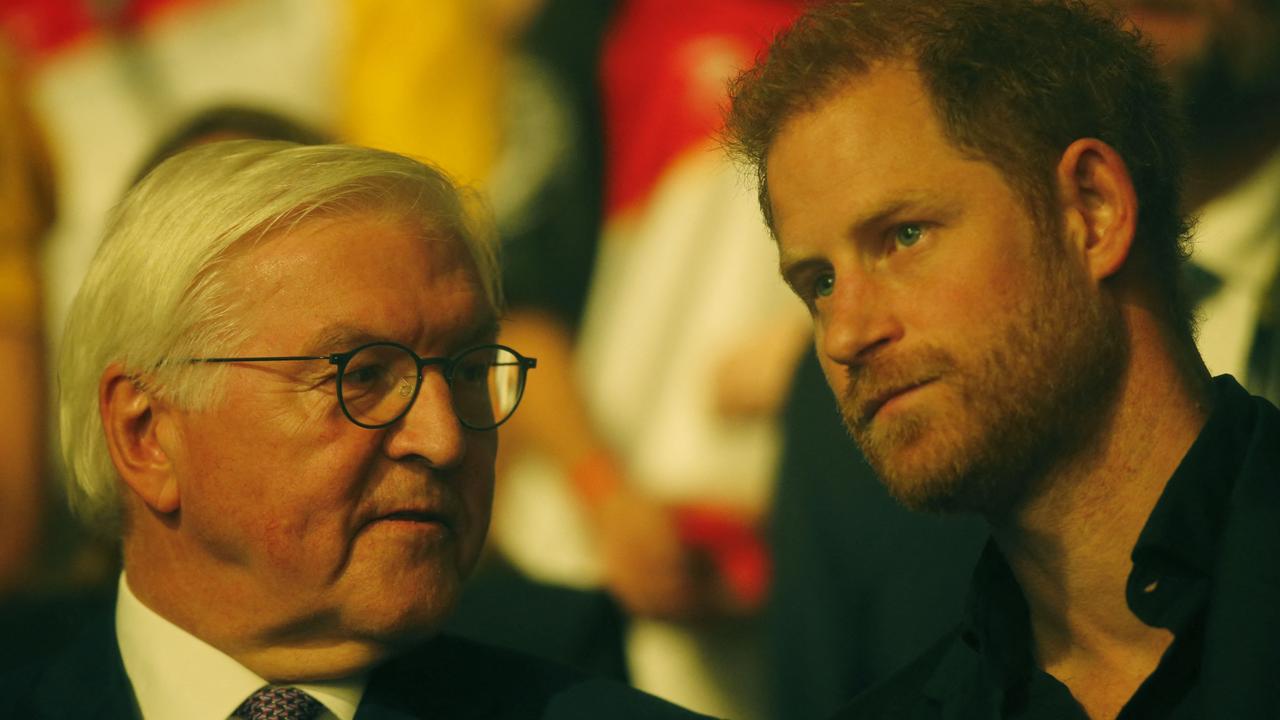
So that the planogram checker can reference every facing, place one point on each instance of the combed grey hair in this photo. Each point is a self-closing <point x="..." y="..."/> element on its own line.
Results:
<point x="157" y="292"/>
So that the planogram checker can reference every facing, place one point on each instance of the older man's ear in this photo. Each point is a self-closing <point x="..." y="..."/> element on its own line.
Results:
<point x="131" y="420"/>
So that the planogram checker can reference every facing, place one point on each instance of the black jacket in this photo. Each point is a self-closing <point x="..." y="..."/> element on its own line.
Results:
<point x="446" y="677"/>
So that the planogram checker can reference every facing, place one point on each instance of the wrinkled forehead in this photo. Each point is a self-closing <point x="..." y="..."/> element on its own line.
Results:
<point x="444" y="241"/>
<point x="384" y="274"/>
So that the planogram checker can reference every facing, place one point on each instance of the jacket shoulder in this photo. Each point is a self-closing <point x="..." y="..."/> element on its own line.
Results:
<point x="455" y="677"/>
<point x="83" y="679"/>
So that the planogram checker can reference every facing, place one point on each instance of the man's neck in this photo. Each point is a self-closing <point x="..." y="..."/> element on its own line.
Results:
<point x="219" y="614"/>
<point x="1069" y="547"/>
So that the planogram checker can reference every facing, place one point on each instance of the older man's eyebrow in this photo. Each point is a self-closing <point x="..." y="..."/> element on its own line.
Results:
<point x="338" y="338"/>
<point x="342" y="337"/>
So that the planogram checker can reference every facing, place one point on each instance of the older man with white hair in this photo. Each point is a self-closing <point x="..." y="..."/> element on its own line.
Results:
<point x="280" y="384"/>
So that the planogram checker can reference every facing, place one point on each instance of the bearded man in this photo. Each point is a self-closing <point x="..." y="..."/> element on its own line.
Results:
<point x="978" y="201"/>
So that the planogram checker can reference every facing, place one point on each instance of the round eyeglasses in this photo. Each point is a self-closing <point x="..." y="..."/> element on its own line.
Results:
<point x="378" y="382"/>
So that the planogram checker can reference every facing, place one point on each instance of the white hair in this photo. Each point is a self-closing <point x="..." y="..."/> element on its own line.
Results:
<point x="156" y="293"/>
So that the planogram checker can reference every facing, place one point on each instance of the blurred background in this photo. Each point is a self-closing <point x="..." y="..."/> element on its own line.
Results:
<point x="678" y="504"/>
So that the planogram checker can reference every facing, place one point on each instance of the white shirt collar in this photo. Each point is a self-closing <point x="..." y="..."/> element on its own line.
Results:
<point x="177" y="675"/>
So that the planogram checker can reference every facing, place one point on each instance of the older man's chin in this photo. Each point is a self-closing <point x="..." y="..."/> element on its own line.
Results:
<point x="313" y="663"/>
<point x="372" y="612"/>
<point x="347" y="643"/>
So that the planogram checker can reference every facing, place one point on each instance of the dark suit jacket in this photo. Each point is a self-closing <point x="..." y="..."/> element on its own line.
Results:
<point x="446" y="677"/>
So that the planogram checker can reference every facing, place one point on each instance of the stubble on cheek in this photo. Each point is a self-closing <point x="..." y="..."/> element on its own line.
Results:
<point x="893" y="445"/>
<point x="932" y="456"/>
<point x="1031" y="396"/>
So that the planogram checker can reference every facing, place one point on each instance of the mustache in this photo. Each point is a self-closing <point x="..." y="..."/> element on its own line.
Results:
<point x="876" y="381"/>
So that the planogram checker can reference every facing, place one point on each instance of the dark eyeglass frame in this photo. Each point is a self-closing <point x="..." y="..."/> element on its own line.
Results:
<point x="450" y="363"/>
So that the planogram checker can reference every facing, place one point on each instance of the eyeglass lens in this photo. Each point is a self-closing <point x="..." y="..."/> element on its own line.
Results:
<point x="381" y="381"/>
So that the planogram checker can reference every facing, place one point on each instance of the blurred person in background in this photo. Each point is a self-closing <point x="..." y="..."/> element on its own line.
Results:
<point x="26" y="210"/>
<point x="49" y="572"/>
<point x="1223" y="57"/>
<point x="864" y="585"/>
<point x="688" y="343"/>
<point x="106" y="83"/>
<point x="228" y="122"/>
<point x="76" y="569"/>
<point x="649" y="464"/>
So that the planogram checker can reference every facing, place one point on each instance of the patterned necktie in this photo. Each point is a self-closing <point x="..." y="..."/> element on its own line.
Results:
<point x="279" y="703"/>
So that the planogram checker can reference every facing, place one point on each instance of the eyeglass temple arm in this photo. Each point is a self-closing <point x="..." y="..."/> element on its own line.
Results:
<point x="281" y="358"/>
<point x="526" y="362"/>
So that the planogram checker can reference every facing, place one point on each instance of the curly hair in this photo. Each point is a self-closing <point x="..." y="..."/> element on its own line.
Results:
<point x="1013" y="83"/>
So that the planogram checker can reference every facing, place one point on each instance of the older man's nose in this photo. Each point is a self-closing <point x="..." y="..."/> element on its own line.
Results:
<point x="430" y="430"/>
